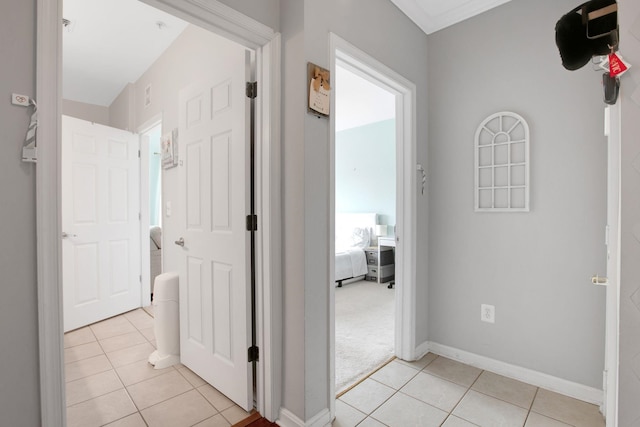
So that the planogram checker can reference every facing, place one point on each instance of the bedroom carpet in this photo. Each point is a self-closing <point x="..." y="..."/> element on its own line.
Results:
<point x="364" y="330"/>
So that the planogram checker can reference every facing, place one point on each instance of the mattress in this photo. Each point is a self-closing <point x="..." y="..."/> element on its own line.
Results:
<point x="350" y="263"/>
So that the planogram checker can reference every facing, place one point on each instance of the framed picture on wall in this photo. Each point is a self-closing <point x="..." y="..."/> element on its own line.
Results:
<point x="169" y="144"/>
<point x="319" y="90"/>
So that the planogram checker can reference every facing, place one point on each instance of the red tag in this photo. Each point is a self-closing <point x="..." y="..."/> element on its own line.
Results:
<point x="616" y="65"/>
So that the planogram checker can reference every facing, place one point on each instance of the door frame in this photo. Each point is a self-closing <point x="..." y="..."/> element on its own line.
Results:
<point x="613" y="128"/>
<point x="229" y="23"/>
<point x="349" y="56"/>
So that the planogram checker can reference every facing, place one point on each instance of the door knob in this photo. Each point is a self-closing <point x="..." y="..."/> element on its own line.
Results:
<point x="180" y="242"/>
<point x="597" y="280"/>
<point x="65" y="235"/>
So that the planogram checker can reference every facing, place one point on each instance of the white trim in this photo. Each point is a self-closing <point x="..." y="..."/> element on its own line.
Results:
<point x="352" y="58"/>
<point x="288" y="419"/>
<point x="222" y="20"/>
<point x="49" y="249"/>
<point x="538" y="379"/>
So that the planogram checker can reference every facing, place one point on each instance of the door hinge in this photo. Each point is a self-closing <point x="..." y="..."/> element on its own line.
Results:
<point x="252" y="222"/>
<point x="138" y="153"/>
<point x="254" y="354"/>
<point x="252" y="89"/>
<point x="140" y="278"/>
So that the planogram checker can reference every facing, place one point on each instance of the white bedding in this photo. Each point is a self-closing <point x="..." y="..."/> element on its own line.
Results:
<point x="353" y="234"/>
<point x="350" y="263"/>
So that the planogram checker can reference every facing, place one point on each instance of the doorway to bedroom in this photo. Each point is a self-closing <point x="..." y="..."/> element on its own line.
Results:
<point x="365" y="220"/>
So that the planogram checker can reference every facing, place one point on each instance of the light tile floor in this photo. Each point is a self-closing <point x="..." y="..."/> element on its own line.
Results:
<point x="109" y="382"/>
<point x="437" y="391"/>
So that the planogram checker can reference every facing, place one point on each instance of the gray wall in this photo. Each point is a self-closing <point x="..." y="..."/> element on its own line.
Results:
<point x="629" y="374"/>
<point x="357" y="22"/>
<point x="19" y="381"/>
<point x="534" y="267"/>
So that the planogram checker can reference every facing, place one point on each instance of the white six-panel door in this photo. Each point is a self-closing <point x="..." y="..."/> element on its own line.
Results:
<point x="100" y="222"/>
<point x="214" y="277"/>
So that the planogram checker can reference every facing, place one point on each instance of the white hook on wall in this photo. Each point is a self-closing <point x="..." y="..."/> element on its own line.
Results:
<point x="424" y="176"/>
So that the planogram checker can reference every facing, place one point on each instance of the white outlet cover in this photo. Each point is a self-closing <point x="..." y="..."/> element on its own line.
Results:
<point x="488" y="313"/>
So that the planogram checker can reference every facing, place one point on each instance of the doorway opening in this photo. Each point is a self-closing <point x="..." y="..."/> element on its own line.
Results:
<point x="403" y="93"/>
<point x="222" y="21"/>
<point x="365" y="218"/>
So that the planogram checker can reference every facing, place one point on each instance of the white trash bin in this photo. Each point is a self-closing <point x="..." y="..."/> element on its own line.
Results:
<point x="166" y="323"/>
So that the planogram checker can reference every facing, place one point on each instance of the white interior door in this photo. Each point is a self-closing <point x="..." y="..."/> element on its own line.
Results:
<point x="215" y="327"/>
<point x="100" y="222"/>
<point x="613" y="265"/>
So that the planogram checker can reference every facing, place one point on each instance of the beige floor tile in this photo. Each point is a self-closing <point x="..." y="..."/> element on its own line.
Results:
<point x="454" y="421"/>
<point x="435" y="391"/>
<point x="120" y="342"/>
<point x="101" y="410"/>
<point x="134" y="420"/>
<point x="402" y="411"/>
<point x="181" y="411"/>
<point x="217" y="399"/>
<point x="92" y="386"/>
<point x="149" y="333"/>
<point x="158" y="389"/>
<point x="85" y="367"/>
<point x="234" y="414"/>
<point x="215" y="421"/>
<point x="129" y="355"/>
<point x="483" y="410"/>
<point x="367" y="396"/>
<point x="193" y="379"/>
<point x="347" y="416"/>
<point x="82" y="351"/>
<point x="421" y="363"/>
<point x="139" y="371"/>
<point x="506" y="389"/>
<point x="140" y="319"/>
<point x="537" y="420"/>
<point x="371" y="422"/>
<point x="78" y="337"/>
<point x="111" y="327"/>
<point x="567" y="409"/>
<point x="395" y="374"/>
<point x="453" y="371"/>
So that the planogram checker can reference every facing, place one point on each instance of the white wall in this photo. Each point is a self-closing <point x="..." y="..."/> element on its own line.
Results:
<point x="534" y="267"/>
<point x="629" y="371"/>
<point x="90" y="112"/>
<point x="366" y="170"/>
<point x="19" y="381"/>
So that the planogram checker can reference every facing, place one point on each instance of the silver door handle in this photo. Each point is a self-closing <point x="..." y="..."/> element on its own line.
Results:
<point x="180" y="242"/>
<point x="597" y="280"/>
<point x="65" y="235"/>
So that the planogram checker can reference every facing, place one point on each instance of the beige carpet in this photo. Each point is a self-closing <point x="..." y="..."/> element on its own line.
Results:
<point x="365" y="316"/>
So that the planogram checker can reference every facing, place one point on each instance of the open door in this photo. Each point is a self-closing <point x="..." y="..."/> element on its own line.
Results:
<point x="215" y="298"/>
<point x="100" y="222"/>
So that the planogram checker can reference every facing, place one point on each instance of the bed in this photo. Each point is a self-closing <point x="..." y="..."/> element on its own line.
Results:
<point x="353" y="236"/>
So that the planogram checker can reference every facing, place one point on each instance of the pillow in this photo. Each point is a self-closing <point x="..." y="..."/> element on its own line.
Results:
<point x="360" y="237"/>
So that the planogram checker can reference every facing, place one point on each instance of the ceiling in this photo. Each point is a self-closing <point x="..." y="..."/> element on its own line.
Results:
<point x="110" y="43"/>
<point x="434" y="15"/>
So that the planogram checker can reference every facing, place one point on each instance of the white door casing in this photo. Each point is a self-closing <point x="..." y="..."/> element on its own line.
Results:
<point x="100" y="222"/>
<point x="612" y="328"/>
<point x="215" y="327"/>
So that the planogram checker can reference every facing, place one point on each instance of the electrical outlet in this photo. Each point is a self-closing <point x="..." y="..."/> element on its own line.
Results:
<point x="488" y="313"/>
<point x="17" y="99"/>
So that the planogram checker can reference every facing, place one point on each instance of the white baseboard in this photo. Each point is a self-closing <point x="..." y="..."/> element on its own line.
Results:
<point x="288" y="419"/>
<point x="538" y="379"/>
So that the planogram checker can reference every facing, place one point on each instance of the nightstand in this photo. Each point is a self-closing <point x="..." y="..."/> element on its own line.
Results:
<point x="380" y="264"/>
<point x="388" y="243"/>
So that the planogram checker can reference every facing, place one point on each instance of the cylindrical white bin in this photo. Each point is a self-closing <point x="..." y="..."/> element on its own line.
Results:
<point x="166" y="313"/>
